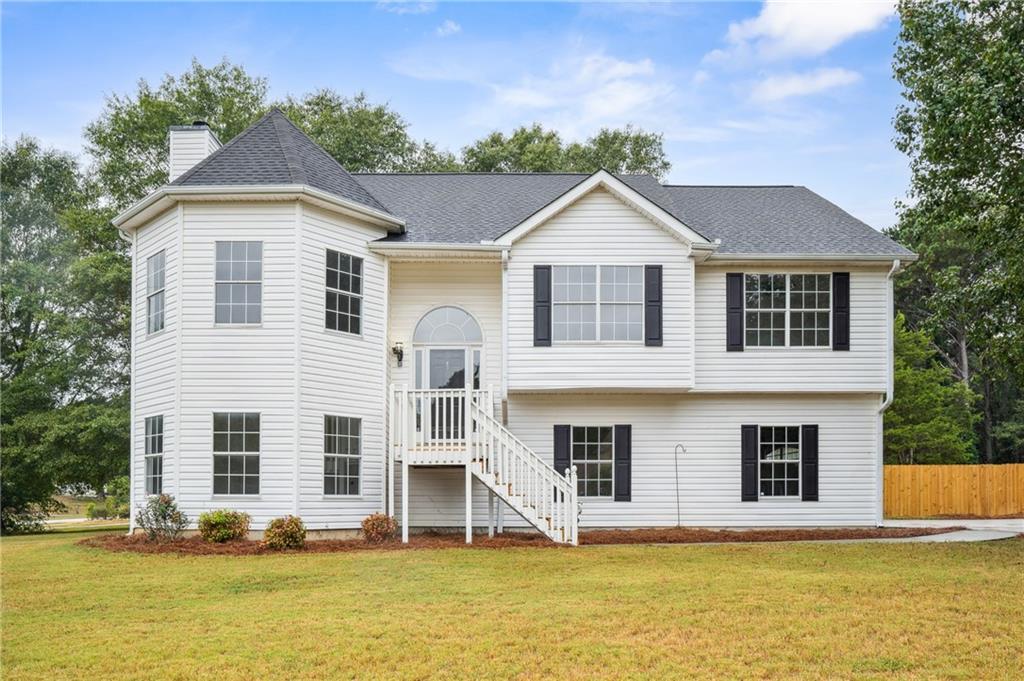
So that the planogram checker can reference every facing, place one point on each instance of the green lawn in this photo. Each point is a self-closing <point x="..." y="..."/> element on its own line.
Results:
<point x="754" y="610"/>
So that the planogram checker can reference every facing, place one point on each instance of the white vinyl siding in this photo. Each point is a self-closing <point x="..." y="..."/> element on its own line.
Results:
<point x="794" y="369"/>
<point x="599" y="229"/>
<point x="239" y="368"/>
<point x="155" y="360"/>
<point x="710" y="487"/>
<point x="418" y="288"/>
<point x="341" y="373"/>
<point x="187" y="148"/>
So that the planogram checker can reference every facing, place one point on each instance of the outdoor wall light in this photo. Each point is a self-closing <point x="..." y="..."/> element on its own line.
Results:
<point x="399" y="352"/>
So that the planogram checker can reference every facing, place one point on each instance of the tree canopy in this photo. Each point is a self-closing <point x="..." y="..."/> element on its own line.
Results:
<point x="931" y="420"/>
<point x="960" y="65"/>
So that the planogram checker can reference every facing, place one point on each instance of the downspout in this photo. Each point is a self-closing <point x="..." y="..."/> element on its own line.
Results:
<point x="887" y="400"/>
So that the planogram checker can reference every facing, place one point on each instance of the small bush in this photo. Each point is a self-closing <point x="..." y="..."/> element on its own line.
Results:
<point x="379" y="528"/>
<point x="111" y="507"/>
<point x="285" y="533"/>
<point x="223" y="525"/>
<point x="161" y="519"/>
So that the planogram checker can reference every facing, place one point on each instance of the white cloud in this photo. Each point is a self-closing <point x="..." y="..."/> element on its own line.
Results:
<point x="447" y="28"/>
<point x="776" y="88"/>
<point x="581" y="93"/>
<point x="801" y="29"/>
<point x="406" y="6"/>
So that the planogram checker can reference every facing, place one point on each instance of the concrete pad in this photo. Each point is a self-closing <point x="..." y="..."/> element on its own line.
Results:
<point x="1015" y="525"/>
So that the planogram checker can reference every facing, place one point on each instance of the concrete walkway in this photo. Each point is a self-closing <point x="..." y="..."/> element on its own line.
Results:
<point x="1002" y="525"/>
<point x="977" y="530"/>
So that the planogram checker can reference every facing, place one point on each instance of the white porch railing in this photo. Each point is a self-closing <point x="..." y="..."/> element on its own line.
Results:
<point x="457" y="427"/>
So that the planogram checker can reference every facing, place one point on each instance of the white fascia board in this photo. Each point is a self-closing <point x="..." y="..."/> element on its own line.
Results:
<point x="169" y="194"/>
<point x="435" y="250"/>
<point x="617" y="187"/>
<point x="722" y="258"/>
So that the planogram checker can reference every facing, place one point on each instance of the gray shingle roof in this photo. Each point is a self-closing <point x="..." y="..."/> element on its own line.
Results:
<point x="786" y="220"/>
<point x="467" y="208"/>
<point x="273" y="151"/>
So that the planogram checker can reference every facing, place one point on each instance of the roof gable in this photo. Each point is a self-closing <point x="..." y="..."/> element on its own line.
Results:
<point x="602" y="179"/>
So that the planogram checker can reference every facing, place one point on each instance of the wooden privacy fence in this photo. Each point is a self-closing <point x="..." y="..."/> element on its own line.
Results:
<point x="976" y="490"/>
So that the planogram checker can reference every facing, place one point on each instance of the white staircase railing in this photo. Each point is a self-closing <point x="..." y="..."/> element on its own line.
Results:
<point x="543" y="497"/>
<point x="445" y="427"/>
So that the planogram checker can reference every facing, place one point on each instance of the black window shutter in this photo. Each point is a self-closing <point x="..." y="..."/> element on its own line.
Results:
<point x="652" y="305"/>
<point x="562" y="445"/>
<point x="748" y="462"/>
<point x="623" y="462"/>
<point x="734" y="312"/>
<point x="542" y="305"/>
<point x="840" y="310"/>
<point x="809" y="463"/>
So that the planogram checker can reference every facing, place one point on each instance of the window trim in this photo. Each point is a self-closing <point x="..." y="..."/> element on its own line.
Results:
<point x="597" y="303"/>
<point x="360" y="295"/>
<point x="238" y="325"/>
<point x="359" y="443"/>
<point x="150" y="295"/>
<point x="799" y="465"/>
<point x="214" y="454"/>
<point x="787" y="310"/>
<point x="572" y="460"/>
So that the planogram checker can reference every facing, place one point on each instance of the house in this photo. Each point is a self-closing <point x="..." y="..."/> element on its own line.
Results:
<point x="533" y="350"/>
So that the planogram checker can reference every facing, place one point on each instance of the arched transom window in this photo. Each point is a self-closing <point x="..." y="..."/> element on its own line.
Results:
<point x="450" y="325"/>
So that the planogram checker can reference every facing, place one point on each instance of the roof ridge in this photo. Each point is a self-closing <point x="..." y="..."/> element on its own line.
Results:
<point x="292" y="157"/>
<point x="481" y="173"/>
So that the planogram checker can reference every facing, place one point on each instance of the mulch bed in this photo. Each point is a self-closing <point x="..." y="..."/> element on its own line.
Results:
<point x="195" y="546"/>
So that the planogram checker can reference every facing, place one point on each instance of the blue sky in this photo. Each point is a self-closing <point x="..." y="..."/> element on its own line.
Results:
<point x="745" y="93"/>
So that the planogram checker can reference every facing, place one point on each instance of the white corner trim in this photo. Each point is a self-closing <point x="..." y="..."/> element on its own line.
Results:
<point x="132" y="447"/>
<point x="167" y="195"/>
<point x="617" y="188"/>
<point x="178" y="326"/>
<point x="297" y="471"/>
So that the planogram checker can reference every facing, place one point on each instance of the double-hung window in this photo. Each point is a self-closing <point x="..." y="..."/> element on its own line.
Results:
<point x="236" y="453"/>
<point x="155" y="292"/>
<point x="239" y="282"/>
<point x="342" y="454"/>
<point x="779" y="460"/>
<point x="154" y="454"/>
<point x="591" y="303"/>
<point x="344" y="307"/>
<point x="787" y="310"/>
<point x="593" y="454"/>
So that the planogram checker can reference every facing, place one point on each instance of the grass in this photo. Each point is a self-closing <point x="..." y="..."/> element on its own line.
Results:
<point x="733" y="611"/>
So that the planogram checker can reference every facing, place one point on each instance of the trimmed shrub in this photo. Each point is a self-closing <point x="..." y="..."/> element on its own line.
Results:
<point x="223" y="525"/>
<point x="379" y="528"/>
<point x="161" y="519"/>
<point x="285" y="533"/>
